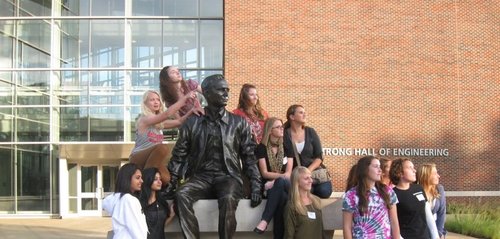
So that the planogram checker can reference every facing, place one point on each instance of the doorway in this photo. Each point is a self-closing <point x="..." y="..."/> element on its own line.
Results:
<point x="89" y="184"/>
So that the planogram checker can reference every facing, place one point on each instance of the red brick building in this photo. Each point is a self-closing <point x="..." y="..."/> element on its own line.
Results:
<point x="399" y="75"/>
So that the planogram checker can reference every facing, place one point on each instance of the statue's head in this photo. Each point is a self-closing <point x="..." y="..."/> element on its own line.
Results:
<point x="215" y="90"/>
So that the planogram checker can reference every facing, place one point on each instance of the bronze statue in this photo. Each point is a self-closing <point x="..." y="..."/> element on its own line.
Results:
<point x="211" y="153"/>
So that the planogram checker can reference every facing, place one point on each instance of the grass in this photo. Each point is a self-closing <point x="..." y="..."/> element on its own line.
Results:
<point x="476" y="220"/>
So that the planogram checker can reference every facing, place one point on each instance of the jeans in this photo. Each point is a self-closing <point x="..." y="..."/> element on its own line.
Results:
<point x="322" y="190"/>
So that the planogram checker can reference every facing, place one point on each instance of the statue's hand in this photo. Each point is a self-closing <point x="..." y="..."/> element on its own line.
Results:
<point x="256" y="199"/>
<point x="170" y="191"/>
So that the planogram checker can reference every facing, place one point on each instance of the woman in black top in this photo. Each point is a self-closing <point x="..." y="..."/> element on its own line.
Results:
<point x="275" y="167"/>
<point x="158" y="213"/>
<point x="414" y="212"/>
<point x="308" y="146"/>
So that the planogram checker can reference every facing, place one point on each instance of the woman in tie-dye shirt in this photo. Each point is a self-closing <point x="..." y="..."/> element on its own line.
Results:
<point x="369" y="208"/>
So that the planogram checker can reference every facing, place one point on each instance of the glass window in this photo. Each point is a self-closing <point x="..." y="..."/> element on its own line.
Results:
<point x="6" y="89"/>
<point x="7" y="179"/>
<point x="36" y="33"/>
<point x="72" y="187"/>
<point x="109" y="174"/>
<point x="74" y="80"/>
<point x="199" y="75"/>
<point x="6" y="124"/>
<point x="135" y="113"/>
<point x="74" y="122"/>
<point x="180" y="8"/>
<point x="32" y="98"/>
<point x="107" y="7"/>
<point x="34" y="80"/>
<point x="75" y="45"/>
<point x="75" y="8"/>
<point x="211" y="8"/>
<point x="211" y="38"/>
<point x="107" y="43"/>
<point x="147" y="7"/>
<point x="35" y="8"/>
<point x="7" y="9"/>
<point x="146" y="43"/>
<point x="147" y="79"/>
<point x="180" y="43"/>
<point x="33" y="177"/>
<point x="6" y="49"/>
<point x="33" y="124"/>
<point x="106" y="123"/>
<point x="107" y="80"/>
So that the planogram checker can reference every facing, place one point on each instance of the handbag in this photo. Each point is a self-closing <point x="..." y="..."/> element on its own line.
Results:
<point x="319" y="175"/>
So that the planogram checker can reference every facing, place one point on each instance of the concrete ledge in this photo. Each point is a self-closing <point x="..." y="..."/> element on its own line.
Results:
<point x="207" y="212"/>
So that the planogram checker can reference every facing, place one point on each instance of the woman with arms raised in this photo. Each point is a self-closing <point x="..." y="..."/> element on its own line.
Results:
<point x="148" y="150"/>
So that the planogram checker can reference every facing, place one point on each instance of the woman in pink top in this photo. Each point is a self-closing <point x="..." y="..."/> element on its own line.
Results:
<point x="173" y="87"/>
<point x="149" y="151"/>
<point x="249" y="108"/>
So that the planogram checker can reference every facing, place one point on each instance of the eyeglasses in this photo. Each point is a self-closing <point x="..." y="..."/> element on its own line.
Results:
<point x="278" y="127"/>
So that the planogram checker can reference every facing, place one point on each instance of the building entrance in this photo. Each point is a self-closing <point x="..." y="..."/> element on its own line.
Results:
<point x="94" y="182"/>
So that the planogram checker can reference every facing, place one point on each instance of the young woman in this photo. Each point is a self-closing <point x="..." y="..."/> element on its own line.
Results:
<point x="369" y="208"/>
<point x="303" y="218"/>
<point x="276" y="168"/>
<point x="173" y="88"/>
<point x="428" y="177"/>
<point x="149" y="150"/>
<point x="385" y="165"/>
<point x="306" y="142"/>
<point x="155" y="207"/>
<point x="124" y="207"/>
<point x="414" y="215"/>
<point x="249" y="108"/>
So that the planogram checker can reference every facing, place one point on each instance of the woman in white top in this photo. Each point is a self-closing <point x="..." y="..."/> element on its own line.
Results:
<point x="124" y="207"/>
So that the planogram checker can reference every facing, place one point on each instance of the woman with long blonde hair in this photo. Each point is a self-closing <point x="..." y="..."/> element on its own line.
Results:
<point x="428" y="177"/>
<point x="275" y="167"/>
<point x="303" y="218"/>
<point x="149" y="151"/>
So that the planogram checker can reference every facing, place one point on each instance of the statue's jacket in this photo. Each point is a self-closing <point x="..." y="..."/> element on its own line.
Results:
<point x="238" y="146"/>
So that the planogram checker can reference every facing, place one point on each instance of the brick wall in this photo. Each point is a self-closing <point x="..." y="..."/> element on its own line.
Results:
<point x="406" y="74"/>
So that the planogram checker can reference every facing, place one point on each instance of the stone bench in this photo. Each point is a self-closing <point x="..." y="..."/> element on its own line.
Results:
<point x="207" y="212"/>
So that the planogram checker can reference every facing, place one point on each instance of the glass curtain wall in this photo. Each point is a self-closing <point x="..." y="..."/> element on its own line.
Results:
<point x="75" y="71"/>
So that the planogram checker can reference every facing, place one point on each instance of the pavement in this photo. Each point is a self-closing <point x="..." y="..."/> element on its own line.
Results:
<point x="81" y="228"/>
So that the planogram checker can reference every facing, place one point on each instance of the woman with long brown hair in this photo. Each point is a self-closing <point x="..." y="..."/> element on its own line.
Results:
<point x="173" y="87"/>
<point x="306" y="143"/>
<point x="369" y="208"/>
<point x="249" y="108"/>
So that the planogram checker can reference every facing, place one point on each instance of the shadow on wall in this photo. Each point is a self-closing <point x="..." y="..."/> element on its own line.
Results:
<point x="465" y="168"/>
